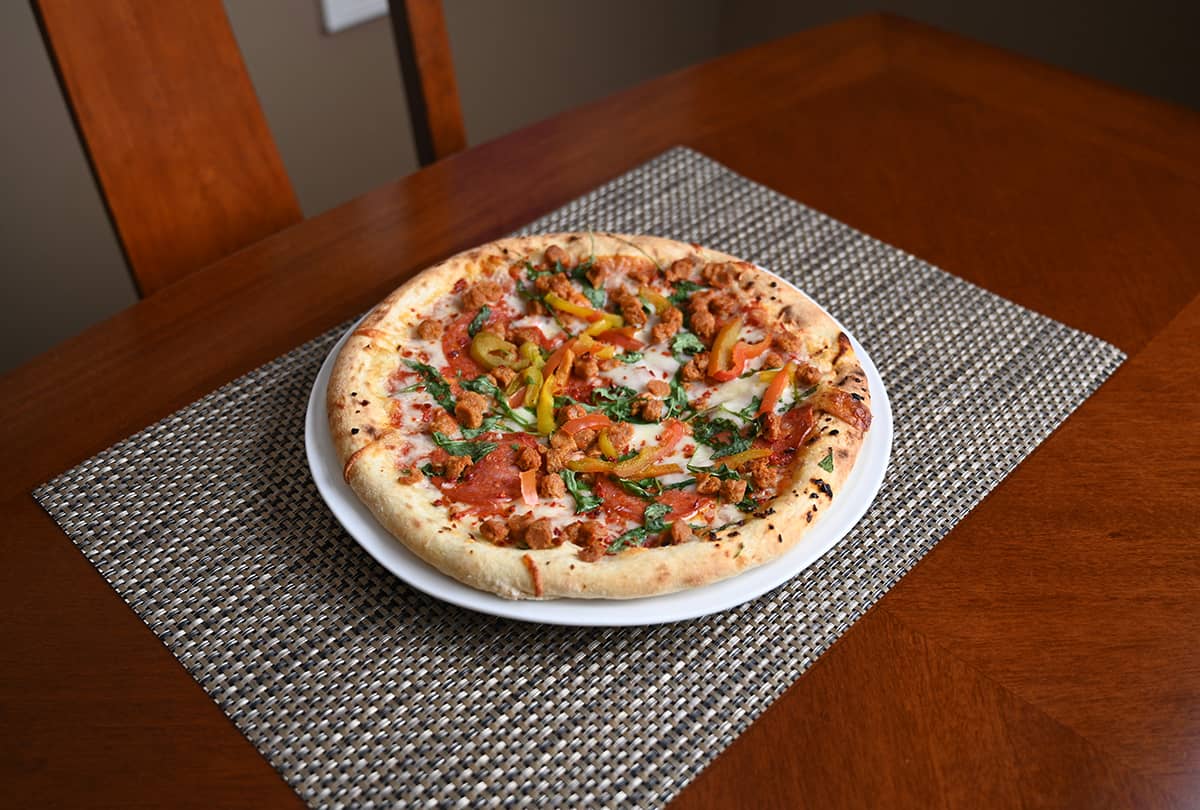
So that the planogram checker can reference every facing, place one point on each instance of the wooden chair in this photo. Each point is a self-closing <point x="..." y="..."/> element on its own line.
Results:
<point x="172" y="127"/>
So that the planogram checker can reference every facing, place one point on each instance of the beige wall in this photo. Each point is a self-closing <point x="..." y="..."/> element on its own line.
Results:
<point x="335" y="103"/>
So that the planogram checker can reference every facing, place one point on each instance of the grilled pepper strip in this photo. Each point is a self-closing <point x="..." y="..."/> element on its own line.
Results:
<point x="721" y="358"/>
<point x="776" y="388"/>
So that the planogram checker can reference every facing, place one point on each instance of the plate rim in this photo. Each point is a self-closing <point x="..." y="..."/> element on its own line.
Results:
<point x="354" y="517"/>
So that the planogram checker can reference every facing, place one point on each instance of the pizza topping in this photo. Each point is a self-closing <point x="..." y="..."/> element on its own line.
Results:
<point x="470" y="408"/>
<point x="552" y="486"/>
<point x="669" y="324"/>
<point x="429" y="329"/>
<point x="494" y="530"/>
<point x="733" y="489"/>
<point x="455" y="466"/>
<point x="540" y="534"/>
<point x="528" y="458"/>
<point x="483" y="292"/>
<point x="631" y="308"/>
<point x="443" y="423"/>
<point x="646" y="407"/>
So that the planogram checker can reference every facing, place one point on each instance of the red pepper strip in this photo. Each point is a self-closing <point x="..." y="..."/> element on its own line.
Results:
<point x="555" y="359"/>
<point x="591" y="420"/>
<point x="741" y="353"/>
<point x="781" y="381"/>
<point x="517" y="399"/>
<point x="619" y="337"/>
<point x="529" y="492"/>
<point x="720" y="361"/>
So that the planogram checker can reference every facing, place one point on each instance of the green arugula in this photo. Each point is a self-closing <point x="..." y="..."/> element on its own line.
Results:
<point x="434" y="383"/>
<point x="596" y="295"/>
<point x="652" y="523"/>
<point x="826" y="463"/>
<point x="616" y="402"/>
<point x="476" y="450"/>
<point x="683" y="291"/>
<point x="723" y="472"/>
<point x="479" y="320"/>
<point x="709" y="431"/>
<point x="490" y="422"/>
<point x="532" y="273"/>
<point x="484" y="385"/>
<point x="629" y="357"/>
<point x="676" y="403"/>
<point x="751" y="410"/>
<point x="685" y="343"/>
<point x="427" y="468"/>
<point x="585" y="499"/>
<point x="645" y="488"/>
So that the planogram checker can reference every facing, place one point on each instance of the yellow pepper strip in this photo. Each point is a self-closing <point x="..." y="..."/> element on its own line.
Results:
<point x="606" y="445"/>
<point x="490" y="350"/>
<point x="545" y="407"/>
<point x="766" y="375"/>
<point x="607" y="322"/>
<point x="633" y="467"/>
<point x="531" y="355"/>
<point x="578" y="310"/>
<point x="533" y="384"/>
<point x="656" y="470"/>
<point x="738" y="459"/>
<point x="654" y="299"/>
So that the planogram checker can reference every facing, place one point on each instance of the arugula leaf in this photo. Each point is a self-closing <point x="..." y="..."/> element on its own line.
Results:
<point x="484" y="385"/>
<point x="723" y="472"/>
<point x="476" y="450"/>
<point x="490" y="422"/>
<point x="709" y="431"/>
<point x="751" y="410"/>
<point x="826" y="463"/>
<point x="596" y="295"/>
<point x="676" y="403"/>
<point x="629" y="357"/>
<point x="427" y="468"/>
<point x="585" y="499"/>
<point x="747" y="504"/>
<point x="646" y="488"/>
<point x="683" y="291"/>
<point x="434" y="382"/>
<point x="685" y="343"/>
<point x="616" y="402"/>
<point x="532" y="273"/>
<point x="687" y="482"/>
<point x="652" y="523"/>
<point x="479" y="320"/>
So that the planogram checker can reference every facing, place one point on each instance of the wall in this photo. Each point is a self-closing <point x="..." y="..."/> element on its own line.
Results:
<point x="335" y="103"/>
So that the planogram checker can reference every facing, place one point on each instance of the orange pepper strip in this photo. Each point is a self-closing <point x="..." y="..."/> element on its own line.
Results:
<point x="589" y="464"/>
<point x="721" y="359"/>
<point x="775" y="389"/>
<point x="591" y="420"/>
<point x="529" y="492"/>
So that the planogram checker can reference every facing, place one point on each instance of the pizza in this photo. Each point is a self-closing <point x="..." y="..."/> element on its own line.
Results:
<point x="596" y="415"/>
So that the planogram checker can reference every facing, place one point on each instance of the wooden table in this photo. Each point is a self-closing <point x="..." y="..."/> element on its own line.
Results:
<point x="1046" y="653"/>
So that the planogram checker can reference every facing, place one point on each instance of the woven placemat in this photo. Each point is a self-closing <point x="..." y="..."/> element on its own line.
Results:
<point x="365" y="693"/>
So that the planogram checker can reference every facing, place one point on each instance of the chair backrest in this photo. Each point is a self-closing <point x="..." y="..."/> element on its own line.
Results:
<point x="427" y="67"/>
<point x="172" y="127"/>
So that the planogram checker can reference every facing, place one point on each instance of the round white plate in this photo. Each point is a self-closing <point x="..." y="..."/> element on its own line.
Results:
<point x="851" y="503"/>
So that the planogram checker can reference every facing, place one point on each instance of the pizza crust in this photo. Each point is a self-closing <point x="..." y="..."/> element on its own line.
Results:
<point x="368" y="444"/>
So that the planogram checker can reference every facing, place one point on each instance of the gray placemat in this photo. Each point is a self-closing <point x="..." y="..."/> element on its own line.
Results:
<point x="365" y="693"/>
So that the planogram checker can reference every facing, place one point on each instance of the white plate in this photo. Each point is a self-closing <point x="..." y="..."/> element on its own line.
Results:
<point x="860" y="489"/>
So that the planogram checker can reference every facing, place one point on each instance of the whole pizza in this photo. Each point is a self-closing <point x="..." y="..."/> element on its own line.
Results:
<point x="597" y="415"/>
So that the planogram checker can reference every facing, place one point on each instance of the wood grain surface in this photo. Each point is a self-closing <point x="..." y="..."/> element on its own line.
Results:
<point x="1043" y="655"/>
